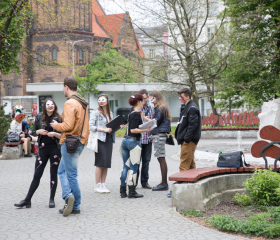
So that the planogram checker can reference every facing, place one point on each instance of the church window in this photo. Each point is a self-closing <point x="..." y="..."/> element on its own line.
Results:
<point x="54" y="54"/>
<point x="39" y="55"/>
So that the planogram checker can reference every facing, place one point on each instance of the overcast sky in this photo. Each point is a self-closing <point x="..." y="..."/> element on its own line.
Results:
<point x="139" y="15"/>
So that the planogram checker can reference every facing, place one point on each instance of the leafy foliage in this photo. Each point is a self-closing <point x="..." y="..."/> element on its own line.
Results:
<point x="107" y="66"/>
<point x="257" y="225"/>
<point x="252" y="74"/>
<point x="242" y="199"/>
<point x="15" y="16"/>
<point x="262" y="187"/>
<point x="4" y="124"/>
<point x="192" y="212"/>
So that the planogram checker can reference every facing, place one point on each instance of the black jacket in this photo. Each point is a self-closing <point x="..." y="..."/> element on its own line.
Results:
<point x="189" y="127"/>
<point x="38" y="125"/>
<point x="163" y="123"/>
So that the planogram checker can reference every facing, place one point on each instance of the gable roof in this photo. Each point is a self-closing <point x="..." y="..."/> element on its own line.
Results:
<point x="111" y="26"/>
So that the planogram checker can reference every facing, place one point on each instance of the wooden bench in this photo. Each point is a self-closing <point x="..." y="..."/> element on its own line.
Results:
<point x="192" y="175"/>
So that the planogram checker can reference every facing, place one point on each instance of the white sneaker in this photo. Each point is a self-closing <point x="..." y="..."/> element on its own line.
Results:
<point x="104" y="188"/>
<point x="98" y="188"/>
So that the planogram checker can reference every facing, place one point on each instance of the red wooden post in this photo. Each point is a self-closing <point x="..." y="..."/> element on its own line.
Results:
<point x="228" y="119"/>
<point x="251" y="115"/>
<point x="216" y="118"/>
<point x="224" y="117"/>
<point x="244" y="117"/>
<point x="221" y="122"/>
<point x="240" y="119"/>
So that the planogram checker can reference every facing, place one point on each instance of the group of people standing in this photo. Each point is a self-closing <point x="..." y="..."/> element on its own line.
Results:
<point x="52" y="131"/>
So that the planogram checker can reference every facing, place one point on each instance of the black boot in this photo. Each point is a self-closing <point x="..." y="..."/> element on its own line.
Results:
<point x="123" y="191"/>
<point x="132" y="193"/>
<point x="51" y="203"/>
<point x="23" y="203"/>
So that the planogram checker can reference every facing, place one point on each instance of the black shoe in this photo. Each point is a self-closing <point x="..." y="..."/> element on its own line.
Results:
<point x="132" y="193"/>
<point x="146" y="186"/>
<point x="23" y="203"/>
<point x="68" y="206"/>
<point x="123" y="191"/>
<point x="51" y="204"/>
<point x="73" y="211"/>
<point x="160" y="187"/>
<point x="28" y="155"/>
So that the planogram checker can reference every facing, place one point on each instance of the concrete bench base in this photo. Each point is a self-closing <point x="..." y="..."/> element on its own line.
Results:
<point x="207" y="193"/>
<point x="12" y="152"/>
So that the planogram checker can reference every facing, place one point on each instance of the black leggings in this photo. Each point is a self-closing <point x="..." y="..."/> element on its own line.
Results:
<point x="45" y="153"/>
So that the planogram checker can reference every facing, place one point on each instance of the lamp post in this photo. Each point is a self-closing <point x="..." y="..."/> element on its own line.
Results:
<point x="73" y="54"/>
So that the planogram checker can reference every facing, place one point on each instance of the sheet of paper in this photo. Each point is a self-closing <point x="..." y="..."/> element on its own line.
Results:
<point x="128" y="163"/>
<point x="135" y="155"/>
<point x="129" y="181"/>
<point x="151" y="124"/>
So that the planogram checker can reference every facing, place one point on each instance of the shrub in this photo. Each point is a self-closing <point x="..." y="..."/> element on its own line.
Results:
<point x="263" y="186"/>
<point x="4" y="124"/>
<point x="242" y="199"/>
<point x="225" y="223"/>
<point x="192" y="212"/>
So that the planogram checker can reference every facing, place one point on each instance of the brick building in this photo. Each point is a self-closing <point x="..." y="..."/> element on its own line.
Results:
<point x="48" y="52"/>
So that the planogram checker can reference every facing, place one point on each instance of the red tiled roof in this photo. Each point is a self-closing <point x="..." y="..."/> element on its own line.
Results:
<point x="109" y="26"/>
<point x="112" y="24"/>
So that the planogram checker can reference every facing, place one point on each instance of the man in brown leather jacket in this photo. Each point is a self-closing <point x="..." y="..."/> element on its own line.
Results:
<point x="74" y="121"/>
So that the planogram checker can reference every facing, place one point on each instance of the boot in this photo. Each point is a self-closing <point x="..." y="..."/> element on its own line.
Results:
<point x="132" y="193"/>
<point x="23" y="203"/>
<point x="123" y="191"/>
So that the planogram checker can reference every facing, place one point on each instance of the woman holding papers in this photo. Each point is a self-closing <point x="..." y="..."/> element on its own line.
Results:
<point x="97" y="123"/>
<point x="131" y="147"/>
<point x="163" y="117"/>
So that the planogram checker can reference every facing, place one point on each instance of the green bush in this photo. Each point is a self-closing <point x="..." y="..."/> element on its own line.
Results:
<point x="257" y="225"/>
<point x="4" y="124"/>
<point x="242" y="199"/>
<point x="192" y="212"/>
<point x="263" y="187"/>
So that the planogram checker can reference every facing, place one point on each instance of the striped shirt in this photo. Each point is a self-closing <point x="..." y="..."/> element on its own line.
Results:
<point x="146" y="137"/>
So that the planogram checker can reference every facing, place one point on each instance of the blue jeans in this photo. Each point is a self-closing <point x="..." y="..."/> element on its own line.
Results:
<point x="68" y="174"/>
<point x="146" y="154"/>
<point x="126" y="146"/>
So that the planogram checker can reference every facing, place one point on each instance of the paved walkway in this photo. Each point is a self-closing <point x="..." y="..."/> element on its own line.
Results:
<point x="103" y="216"/>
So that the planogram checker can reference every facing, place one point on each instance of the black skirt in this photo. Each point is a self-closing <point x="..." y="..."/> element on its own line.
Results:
<point x="104" y="156"/>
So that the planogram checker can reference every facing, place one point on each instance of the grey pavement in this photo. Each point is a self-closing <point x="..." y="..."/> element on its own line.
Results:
<point x="103" y="216"/>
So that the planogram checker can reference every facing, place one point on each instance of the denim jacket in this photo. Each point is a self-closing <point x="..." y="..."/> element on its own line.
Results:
<point x="96" y="116"/>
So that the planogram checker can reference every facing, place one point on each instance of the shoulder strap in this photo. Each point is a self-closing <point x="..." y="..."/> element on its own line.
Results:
<point x="83" y="123"/>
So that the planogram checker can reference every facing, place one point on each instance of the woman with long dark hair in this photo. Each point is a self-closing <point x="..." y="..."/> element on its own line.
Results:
<point x="131" y="147"/>
<point x="163" y="117"/>
<point x="97" y="123"/>
<point x="49" y="148"/>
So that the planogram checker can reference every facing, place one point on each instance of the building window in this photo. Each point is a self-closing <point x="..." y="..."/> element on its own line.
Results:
<point x="152" y="53"/>
<point x="213" y="9"/>
<point x="39" y="55"/>
<point x="54" y="54"/>
<point x="80" y="55"/>
<point x="8" y="90"/>
<point x="210" y="32"/>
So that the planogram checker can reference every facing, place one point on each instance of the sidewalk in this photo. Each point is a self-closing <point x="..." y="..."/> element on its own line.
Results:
<point x="103" y="216"/>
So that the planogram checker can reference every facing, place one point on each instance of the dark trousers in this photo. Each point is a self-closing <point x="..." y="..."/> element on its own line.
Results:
<point x="146" y="154"/>
<point x="45" y="153"/>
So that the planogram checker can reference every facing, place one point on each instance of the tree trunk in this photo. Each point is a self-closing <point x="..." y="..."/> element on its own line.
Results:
<point x="212" y="102"/>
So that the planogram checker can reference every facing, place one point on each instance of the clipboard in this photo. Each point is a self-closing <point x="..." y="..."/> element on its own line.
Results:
<point x="115" y="123"/>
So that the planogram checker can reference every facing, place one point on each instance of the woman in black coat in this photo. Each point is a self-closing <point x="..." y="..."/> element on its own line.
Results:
<point x="49" y="148"/>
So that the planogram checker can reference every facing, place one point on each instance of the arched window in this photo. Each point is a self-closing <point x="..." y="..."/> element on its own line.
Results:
<point x="81" y="55"/>
<point x="39" y="55"/>
<point x="54" y="54"/>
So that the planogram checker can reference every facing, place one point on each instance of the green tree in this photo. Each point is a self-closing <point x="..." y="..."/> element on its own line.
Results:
<point x="252" y="74"/>
<point x="107" y="66"/>
<point x="4" y="124"/>
<point x="14" y="18"/>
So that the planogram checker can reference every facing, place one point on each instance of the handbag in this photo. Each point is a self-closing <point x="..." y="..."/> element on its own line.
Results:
<point x="73" y="142"/>
<point x="169" y="140"/>
<point x="232" y="160"/>
<point x="12" y="137"/>
<point x="93" y="139"/>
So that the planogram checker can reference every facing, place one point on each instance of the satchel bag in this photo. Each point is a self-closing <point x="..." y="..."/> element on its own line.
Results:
<point x="72" y="142"/>
<point x="232" y="160"/>
<point x="12" y="137"/>
<point x="169" y="140"/>
<point x="93" y="139"/>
